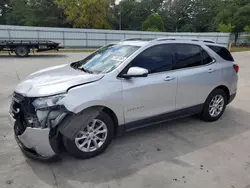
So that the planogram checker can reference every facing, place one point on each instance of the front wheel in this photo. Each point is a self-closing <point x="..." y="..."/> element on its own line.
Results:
<point x="214" y="106"/>
<point x="93" y="139"/>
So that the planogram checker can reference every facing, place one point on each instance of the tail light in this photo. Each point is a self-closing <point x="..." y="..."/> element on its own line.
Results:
<point x="236" y="68"/>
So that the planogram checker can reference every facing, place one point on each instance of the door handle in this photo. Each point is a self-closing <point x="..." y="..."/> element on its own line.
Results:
<point x="169" y="78"/>
<point x="210" y="70"/>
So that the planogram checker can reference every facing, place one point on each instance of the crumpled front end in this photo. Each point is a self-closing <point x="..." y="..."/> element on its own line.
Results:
<point x="33" y="128"/>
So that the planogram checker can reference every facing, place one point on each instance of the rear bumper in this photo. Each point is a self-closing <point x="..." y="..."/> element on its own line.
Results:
<point x="231" y="98"/>
<point x="34" y="142"/>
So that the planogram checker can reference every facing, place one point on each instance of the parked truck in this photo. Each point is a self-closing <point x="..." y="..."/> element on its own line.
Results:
<point x="22" y="48"/>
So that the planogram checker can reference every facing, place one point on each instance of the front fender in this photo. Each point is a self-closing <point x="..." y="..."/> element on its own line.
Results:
<point x="106" y="94"/>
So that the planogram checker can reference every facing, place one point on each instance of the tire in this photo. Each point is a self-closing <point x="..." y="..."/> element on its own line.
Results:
<point x="206" y="115"/>
<point x="71" y="145"/>
<point x="22" y="51"/>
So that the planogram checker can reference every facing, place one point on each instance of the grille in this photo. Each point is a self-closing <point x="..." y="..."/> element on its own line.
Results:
<point x="22" y="105"/>
<point x="18" y="97"/>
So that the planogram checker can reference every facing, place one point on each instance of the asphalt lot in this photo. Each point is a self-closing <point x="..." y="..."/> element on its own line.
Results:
<point x="181" y="153"/>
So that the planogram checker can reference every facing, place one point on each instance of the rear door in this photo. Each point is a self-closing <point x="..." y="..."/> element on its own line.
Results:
<point x="197" y="75"/>
<point x="155" y="94"/>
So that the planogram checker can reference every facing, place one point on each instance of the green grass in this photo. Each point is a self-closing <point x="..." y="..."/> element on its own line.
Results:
<point x="240" y="49"/>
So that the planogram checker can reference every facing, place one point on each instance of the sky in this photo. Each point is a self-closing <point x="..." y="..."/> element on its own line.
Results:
<point x="117" y="1"/>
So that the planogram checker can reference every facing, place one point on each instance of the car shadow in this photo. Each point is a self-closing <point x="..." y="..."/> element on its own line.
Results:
<point x="52" y="55"/>
<point x="144" y="147"/>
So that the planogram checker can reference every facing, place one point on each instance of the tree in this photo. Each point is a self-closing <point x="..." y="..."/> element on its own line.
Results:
<point x="18" y="12"/>
<point x="153" y="22"/>
<point x="247" y="31"/>
<point x="34" y="13"/>
<point x="129" y="15"/>
<point x="45" y="13"/>
<point x="87" y="13"/>
<point x="175" y="14"/>
<point x="240" y="20"/>
<point x="134" y="12"/>
<point x="235" y="13"/>
<point x="225" y="28"/>
<point x="201" y="14"/>
<point x="4" y="8"/>
<point x="189" y="15"/>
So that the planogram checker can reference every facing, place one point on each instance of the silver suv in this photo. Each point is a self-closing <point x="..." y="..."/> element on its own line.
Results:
<point x="120" y="87"/>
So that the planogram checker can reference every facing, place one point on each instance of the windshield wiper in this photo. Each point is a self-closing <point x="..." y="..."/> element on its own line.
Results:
<point x="75" y="65"/>
<point x="86" y="70"/>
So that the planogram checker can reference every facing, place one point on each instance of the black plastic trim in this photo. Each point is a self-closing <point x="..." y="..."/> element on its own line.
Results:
<point x="160" y="119"/>
<point x="231" y="98"/>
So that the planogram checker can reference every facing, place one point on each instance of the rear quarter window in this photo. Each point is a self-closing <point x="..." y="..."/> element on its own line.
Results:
<point x="222" y="52"/>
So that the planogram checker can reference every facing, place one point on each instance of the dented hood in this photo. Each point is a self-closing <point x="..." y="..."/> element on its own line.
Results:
<point x="54" y="80"/>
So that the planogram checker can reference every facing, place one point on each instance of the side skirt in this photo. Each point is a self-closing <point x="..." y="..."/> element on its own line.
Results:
<point x="160" y="119"/>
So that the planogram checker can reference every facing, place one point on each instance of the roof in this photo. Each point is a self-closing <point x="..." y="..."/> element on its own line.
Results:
<point x="145" y="41"/>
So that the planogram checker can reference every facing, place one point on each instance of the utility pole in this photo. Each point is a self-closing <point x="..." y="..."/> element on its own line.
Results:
<point x="120" y="18"/>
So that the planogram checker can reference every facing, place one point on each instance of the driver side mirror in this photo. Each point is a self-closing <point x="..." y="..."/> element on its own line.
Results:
<point x="135" y="72"/>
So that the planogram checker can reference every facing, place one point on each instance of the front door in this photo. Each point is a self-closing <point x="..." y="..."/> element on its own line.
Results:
<point x="155" y="94"/>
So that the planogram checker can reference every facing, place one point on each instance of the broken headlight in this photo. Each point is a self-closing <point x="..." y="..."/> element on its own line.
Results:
<point x="48" y="102"/>
<point x="50" y="110"/>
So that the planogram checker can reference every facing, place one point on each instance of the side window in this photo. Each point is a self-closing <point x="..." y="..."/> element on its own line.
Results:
<point x="187" y="55"/>
<point x="222" y="52"/>
<point x="155" y="59"/>
<point x="206" y="59"/>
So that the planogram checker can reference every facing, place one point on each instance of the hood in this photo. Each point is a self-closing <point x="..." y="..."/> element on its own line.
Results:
<point x="54" y="80"/>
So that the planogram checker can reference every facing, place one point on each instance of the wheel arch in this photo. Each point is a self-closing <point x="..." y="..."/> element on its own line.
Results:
<point x="110" y="112"/>
<point x="225" y="89"/>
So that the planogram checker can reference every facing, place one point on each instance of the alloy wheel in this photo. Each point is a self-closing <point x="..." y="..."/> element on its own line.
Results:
<point x="216" y="105"/>
<point x="92" y="137"/>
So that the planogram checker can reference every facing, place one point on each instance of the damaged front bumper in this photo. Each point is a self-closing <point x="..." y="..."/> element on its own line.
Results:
<point x="38" y="131"/>
<point x="35" y="130"/>
<point x="34" y="142"/>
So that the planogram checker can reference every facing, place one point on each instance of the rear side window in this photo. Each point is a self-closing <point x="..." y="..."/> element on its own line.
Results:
<point x="189" y="55"/>
<point x="222" y="52"/>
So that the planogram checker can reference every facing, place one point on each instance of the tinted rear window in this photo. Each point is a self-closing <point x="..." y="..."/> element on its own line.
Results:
<point x="222" y="52"/>
<point x="188" y="55"/>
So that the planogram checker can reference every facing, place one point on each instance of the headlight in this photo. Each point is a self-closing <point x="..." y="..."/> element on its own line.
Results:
<point x="47" y="102"/>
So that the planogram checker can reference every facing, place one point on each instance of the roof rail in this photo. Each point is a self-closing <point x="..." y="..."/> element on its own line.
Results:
<point x="182" y="38"/>
<point x="170" y="38"/>
<point x="141" y="39"/>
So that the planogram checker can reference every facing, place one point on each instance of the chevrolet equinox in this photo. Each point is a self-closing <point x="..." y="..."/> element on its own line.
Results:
<point x="134" y="83"/>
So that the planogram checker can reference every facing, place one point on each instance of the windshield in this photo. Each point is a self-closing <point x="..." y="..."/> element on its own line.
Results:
<point x="106" y="59"/>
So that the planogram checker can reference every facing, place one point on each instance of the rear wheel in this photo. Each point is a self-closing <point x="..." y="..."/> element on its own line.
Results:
<point x="22" y="51"/>
<point x="93" y="139"/>
<point x="214" y="106"/>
